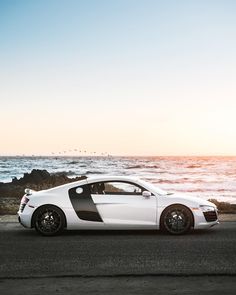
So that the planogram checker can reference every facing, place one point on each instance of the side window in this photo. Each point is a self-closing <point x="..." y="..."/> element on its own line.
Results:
<point x="116" y="188"/>
<point x="97" y="188"/>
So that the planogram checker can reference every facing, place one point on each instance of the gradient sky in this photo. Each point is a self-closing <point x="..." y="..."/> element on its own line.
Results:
<point x="127" y="77"/>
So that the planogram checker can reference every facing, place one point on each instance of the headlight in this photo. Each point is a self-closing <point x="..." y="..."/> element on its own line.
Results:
<point x="206" y="208"/>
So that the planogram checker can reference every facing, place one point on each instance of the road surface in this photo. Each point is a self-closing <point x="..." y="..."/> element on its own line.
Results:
<point x="131" y="262"/>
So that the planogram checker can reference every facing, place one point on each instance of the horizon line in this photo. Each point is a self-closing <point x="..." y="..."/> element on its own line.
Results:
<point x="110" y="156"/>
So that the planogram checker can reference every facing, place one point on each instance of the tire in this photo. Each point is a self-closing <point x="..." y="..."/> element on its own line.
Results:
<point x="177" y="220"/>
<point x="49" y="220"/>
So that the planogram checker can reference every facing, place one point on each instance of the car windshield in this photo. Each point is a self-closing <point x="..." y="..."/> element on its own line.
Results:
<point x="153" y="187"/>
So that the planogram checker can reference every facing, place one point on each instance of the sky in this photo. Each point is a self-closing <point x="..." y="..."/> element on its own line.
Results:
<point x="126" y="77"/>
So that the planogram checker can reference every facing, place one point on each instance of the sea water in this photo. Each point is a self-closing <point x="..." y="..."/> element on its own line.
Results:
<point x="206" y="177"/>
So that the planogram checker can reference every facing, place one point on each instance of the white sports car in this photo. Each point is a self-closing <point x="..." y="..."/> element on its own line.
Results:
<point x="113" y="203"/>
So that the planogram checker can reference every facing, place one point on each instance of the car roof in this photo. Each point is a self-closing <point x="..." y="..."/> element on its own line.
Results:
<point x="93" y="179"/>
<point x="111" y="178"/>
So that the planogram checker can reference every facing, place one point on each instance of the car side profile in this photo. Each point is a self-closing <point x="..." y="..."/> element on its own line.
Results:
<point x="117" y="202"/>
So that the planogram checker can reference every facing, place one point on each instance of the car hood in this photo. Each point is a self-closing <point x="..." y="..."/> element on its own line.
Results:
<point x="196" y="200"/>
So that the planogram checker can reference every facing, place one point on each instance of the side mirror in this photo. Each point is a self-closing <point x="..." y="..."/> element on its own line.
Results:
<point x="146" y="194"/>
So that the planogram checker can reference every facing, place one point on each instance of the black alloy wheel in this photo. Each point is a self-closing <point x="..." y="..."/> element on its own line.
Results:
<point x="49" y="220"/>
<point x="176" y="219"/>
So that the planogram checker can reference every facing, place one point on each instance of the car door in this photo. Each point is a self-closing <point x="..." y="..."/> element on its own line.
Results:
<point x="121" y="204"/>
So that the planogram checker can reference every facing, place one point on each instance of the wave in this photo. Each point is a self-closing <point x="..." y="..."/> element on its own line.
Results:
<point x="152" y="166"/>
<point x="5" y="171"/>
<point x="143" y="167"/>
<point x="4" y="166"/>
<point x="67" y="173"/>
<point x="194" y="166"/>
<point x="72" y="163"/>
<point x="93" y="172"/>
<point x="180" y="180"/>
<point x="134" y="167"/>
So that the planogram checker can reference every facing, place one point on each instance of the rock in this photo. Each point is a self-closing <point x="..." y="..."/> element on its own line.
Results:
<point x="36" y="180"/>
<point x="36" y="177"/>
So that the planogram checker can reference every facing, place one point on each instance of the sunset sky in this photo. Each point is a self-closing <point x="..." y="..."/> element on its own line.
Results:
<point x="127" y="77"/>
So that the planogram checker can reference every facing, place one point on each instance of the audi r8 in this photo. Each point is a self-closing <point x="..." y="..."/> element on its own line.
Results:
<point x="113" y="203"/>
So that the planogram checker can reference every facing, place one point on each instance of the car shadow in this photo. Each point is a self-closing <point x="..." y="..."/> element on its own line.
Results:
<point x="25" y="232"/>
<point x="135" y="232"/>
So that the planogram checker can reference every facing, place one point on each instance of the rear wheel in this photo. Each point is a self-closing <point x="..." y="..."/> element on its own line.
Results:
<point x="176" y="219"/>
<point x="49" y="220"/>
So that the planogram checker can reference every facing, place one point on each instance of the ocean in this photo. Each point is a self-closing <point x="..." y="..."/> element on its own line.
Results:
<point x="206" y="177"/>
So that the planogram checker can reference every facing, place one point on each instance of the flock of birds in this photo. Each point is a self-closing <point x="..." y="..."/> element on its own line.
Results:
<point x="71" y="153"/>
<point x="78" y="152"/>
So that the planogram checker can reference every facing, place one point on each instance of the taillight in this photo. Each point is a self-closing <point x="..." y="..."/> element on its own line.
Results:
<point x="23" y="203"/>
<point x="24" y="200"/>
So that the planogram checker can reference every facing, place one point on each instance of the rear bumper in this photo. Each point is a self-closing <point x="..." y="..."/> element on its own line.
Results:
<point x="19" y="220"/>
<point x="25" y="217"/>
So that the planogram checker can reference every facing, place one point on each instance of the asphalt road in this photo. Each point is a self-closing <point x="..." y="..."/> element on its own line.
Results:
<point x="135" y="261"/>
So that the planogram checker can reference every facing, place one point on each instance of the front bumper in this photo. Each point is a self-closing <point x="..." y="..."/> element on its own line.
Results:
<point x="205" y="219"/>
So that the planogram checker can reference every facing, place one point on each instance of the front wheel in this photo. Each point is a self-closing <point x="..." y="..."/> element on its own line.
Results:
<point x="49" y="220"/>
<point x="176" y="219"/>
